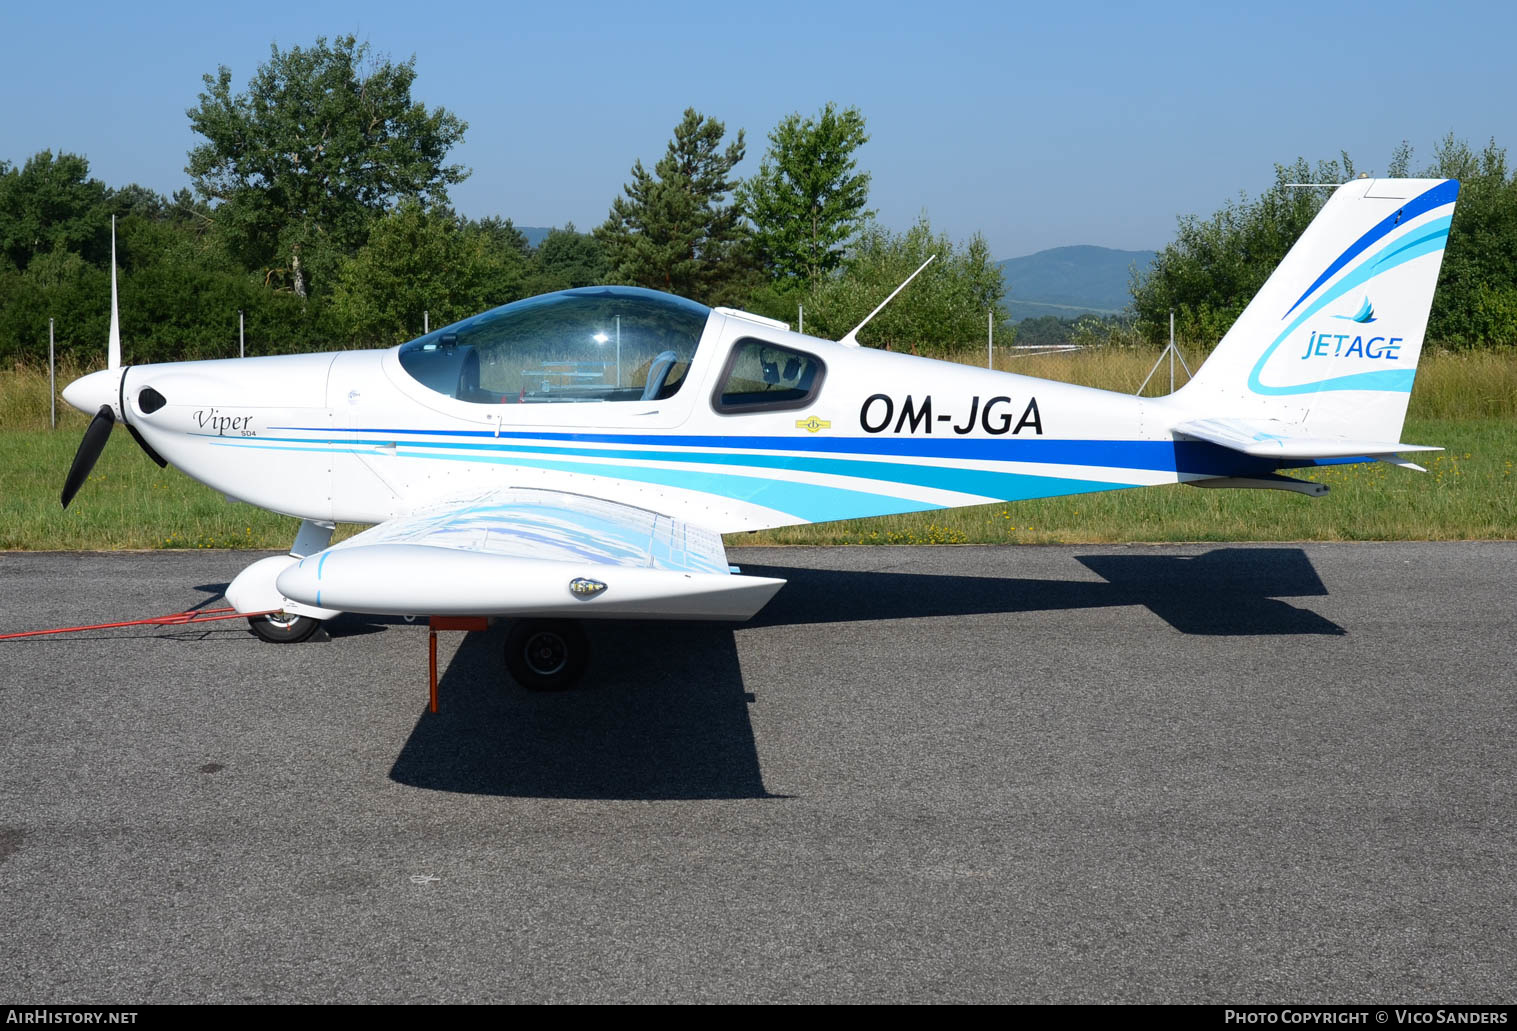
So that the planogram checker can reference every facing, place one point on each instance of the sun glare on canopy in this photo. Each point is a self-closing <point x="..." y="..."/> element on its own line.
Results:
<point x="614" y="343"/>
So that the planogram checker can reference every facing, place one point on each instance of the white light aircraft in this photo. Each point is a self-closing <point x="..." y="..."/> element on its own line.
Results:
<point x="578" y="455"/>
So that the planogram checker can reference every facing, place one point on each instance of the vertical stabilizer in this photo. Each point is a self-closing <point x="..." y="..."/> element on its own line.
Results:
<point x="1329" y="345"/>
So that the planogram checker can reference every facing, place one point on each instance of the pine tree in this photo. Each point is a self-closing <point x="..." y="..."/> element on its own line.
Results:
<point x="672" y="231"/>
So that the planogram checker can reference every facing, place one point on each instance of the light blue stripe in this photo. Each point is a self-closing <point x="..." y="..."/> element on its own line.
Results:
<point x="276" y="447"/>
<point x="812" y="502"/>
<point x="808" y="501"/>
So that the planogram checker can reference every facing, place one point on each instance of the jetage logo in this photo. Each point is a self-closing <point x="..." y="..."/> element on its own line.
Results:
<point x="1365" y="314"/>
<point x="1324" y="344"/>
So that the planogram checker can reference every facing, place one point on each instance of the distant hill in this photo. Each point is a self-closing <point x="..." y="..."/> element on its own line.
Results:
<point x="534" y="234"/>
<point x="1071" y="281"/>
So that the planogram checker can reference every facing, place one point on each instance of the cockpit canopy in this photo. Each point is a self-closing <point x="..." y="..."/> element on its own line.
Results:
<point x="604" y="343"/>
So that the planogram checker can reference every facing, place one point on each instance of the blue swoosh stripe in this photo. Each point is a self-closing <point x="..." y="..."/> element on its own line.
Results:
<point x="1160" y="455"/>
<point x="1445" y="192"/>
<point x="1428" y="240"/>
<point x="813" y="502"/>
<point x="985" y="483"/>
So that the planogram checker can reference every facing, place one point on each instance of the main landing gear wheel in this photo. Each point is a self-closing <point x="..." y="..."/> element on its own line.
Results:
<point x="547" y="654"/>
<point x="283" y="627"/>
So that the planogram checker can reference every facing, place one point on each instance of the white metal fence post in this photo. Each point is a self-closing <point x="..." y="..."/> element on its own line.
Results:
<point x="52" y="379"/>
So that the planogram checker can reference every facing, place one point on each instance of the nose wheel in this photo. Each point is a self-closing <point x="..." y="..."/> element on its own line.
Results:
<point x="547" y="654"/>
<point x="283" y="627"/>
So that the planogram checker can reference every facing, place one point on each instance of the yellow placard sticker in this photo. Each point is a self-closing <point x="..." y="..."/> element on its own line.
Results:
<point x="813" y="424"/>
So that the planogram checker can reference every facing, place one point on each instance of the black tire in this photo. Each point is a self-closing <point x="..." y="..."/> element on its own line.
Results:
<point x="283" y="627"/>
<point x="547" y="654"/>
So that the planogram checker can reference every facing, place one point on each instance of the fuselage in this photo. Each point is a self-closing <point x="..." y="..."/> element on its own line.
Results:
<point x="742" y="426"/>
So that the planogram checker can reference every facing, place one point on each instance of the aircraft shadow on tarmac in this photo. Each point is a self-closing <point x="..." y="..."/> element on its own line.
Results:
<point x="664" y="713"/>
<point x="1227" y="591"/>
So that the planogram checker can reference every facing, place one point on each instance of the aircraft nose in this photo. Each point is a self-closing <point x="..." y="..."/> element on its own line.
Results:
<point x="89" y="393"/>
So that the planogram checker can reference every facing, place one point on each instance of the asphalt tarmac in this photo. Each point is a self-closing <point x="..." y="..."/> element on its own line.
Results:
<point x="1263" y="773"/>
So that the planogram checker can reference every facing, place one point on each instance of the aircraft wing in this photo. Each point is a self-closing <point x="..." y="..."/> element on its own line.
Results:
<point x="522" y="551"/>
<point x="1267" y="438"/>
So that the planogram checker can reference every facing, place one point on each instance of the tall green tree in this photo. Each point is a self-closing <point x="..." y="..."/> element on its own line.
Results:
<point x="808" y="199"/>
<point x="674" y="229"/>
<point x="324" y="139"/>
<point x="945" y="309"/>
<point x="51" y="204"/>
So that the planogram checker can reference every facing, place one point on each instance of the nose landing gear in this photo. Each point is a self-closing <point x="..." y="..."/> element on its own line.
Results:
<point x="283" y="627"/>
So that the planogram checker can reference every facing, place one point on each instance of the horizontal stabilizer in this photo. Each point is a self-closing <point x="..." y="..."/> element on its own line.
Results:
<point x="1307" y="487"/>
<point x="1267" y="438"/>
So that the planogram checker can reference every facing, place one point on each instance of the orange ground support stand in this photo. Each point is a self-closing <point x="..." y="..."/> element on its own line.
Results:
<point x="436" y="623"/>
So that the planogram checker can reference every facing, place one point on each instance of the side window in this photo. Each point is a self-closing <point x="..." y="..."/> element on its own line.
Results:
<point x="762" y="377"/>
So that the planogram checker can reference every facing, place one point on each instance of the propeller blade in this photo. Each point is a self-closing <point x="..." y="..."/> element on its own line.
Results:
<point x="146" y="448"/>
<point x="95" y="436"/>
<point x="113" y="343"/>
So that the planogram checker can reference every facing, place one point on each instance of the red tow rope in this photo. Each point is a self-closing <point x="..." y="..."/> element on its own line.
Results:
<point x="172" y="619"/>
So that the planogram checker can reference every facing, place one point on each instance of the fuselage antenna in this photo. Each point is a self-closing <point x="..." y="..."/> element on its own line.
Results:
<point x="851" y="340"/>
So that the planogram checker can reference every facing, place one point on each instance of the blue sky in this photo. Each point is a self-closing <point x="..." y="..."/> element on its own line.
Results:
<point x="1037" y="126"/>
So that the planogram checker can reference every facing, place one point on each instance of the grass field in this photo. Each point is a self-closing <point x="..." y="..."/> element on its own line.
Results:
<point x="1466" y="403"/>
